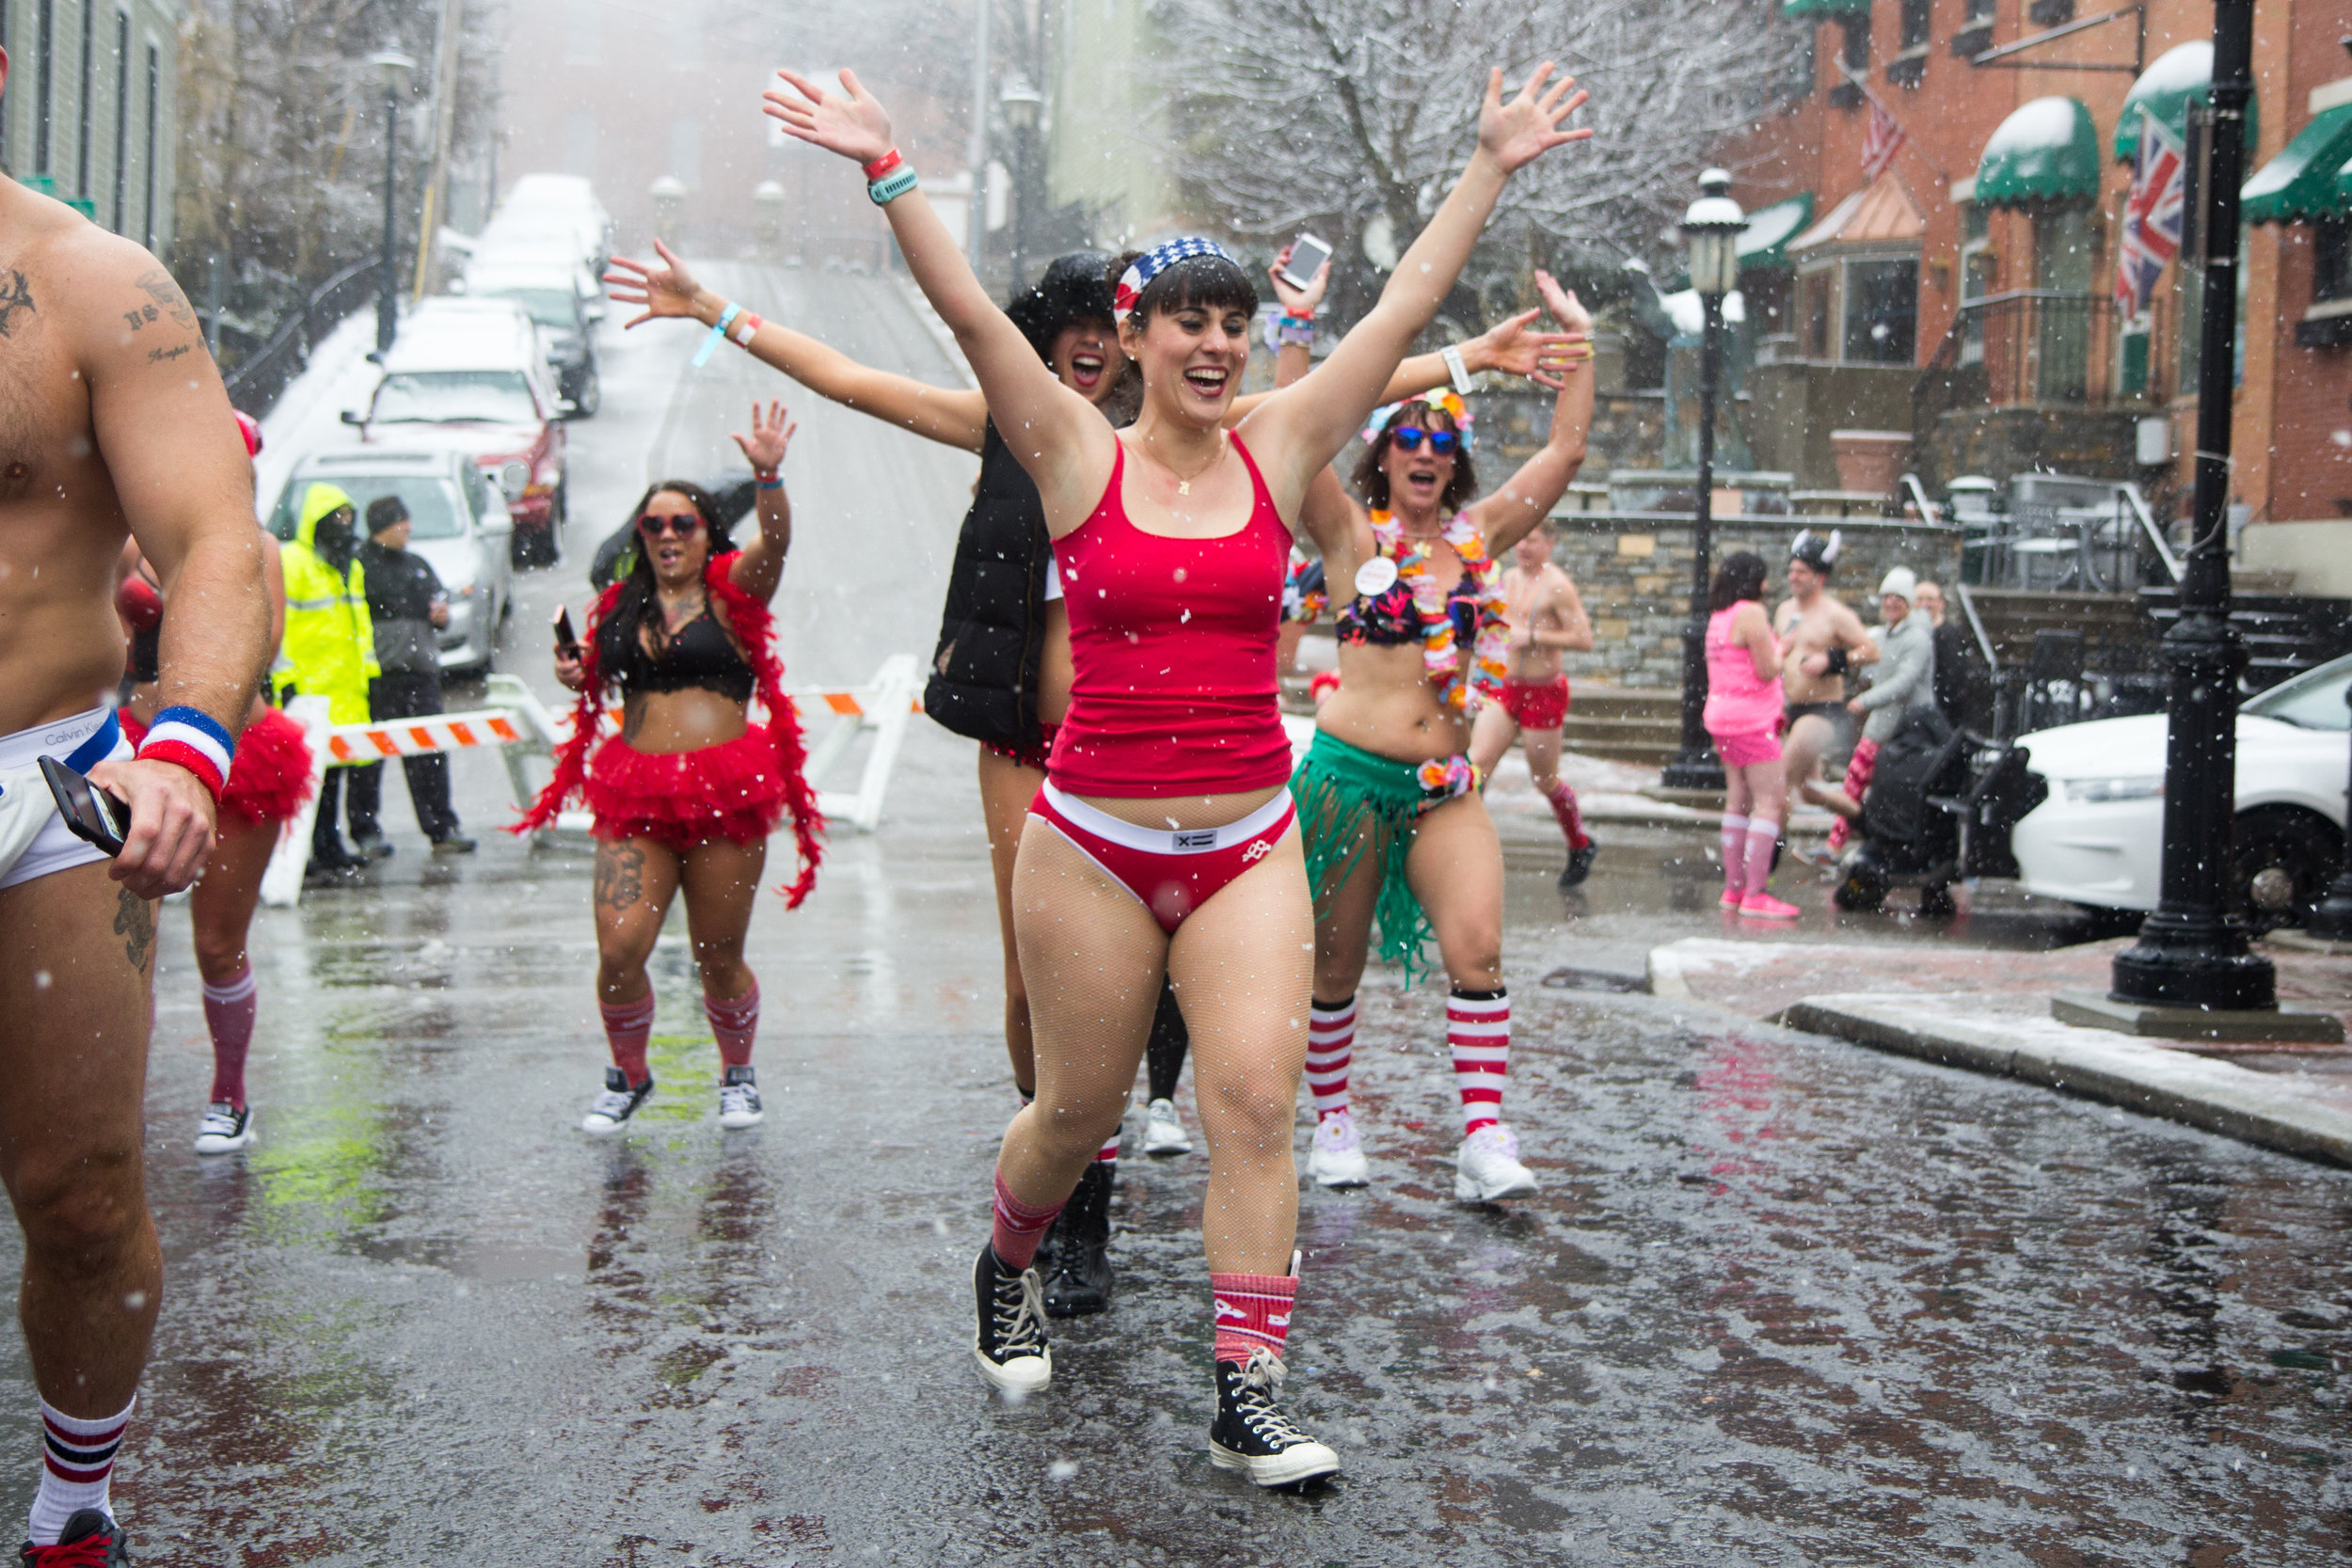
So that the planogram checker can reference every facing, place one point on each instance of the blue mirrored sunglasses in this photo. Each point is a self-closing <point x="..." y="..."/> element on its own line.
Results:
<point x="1410" y="438"/>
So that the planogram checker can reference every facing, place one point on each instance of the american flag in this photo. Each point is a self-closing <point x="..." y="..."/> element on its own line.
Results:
<point x="2152" y="215"/>
<point x="1881" y="142"/>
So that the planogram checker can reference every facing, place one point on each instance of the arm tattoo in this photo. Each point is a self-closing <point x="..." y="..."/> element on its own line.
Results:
<point x="157" y="285"/>
<point x="620" y="876"/>
<point x="135" y="922"/>
<point x="15" y="294"/>
<point x="158" y="355"/>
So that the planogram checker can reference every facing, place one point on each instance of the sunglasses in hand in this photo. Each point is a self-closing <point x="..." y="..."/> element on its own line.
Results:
<point x="1410" y="438"/>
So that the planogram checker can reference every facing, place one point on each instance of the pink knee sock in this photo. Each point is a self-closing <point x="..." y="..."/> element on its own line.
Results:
<point x="1564" y="806"/>
<point x="228" y="1014"/>
<point x="1253" y="1312"/>
<point x="1762" y="836"/>
<point x="1735" y="854"/>
<point x="733" y="1024"/>
<point x="1019" y="1227"/>
<point x="627" y="1027"/>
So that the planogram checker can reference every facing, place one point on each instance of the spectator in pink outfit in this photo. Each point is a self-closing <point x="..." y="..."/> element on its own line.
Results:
<point x="1744" y="709"/>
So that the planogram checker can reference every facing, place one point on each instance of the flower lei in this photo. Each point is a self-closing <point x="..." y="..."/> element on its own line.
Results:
<point x="1440" y="642"/>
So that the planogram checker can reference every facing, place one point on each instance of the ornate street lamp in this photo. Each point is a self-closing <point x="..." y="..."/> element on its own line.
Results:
<point x="395" y="68"/>
<point x="1711" y="229"/>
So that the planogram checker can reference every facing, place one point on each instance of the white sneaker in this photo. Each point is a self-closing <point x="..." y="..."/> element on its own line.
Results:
<point x="1163" y="1133"/>
<point x="1336" y="1159"/>
<point x="609" y="1111"/>
<point x="224" y="1129"/>
<point x="738" y="1099"/>
<point x="1487" y="1167"/>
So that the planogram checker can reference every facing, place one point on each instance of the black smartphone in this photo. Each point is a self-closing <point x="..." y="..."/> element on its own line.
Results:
<point x="91" y="814"/>
<point x="1308" y="254"/>
<point x="567" y="639"/>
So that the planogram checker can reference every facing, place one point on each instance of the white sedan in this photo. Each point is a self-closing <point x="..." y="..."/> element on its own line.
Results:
<point x="2098" y="839"/>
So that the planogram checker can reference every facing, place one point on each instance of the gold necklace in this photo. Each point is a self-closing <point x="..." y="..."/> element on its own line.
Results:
<point x="1183" y="485"/>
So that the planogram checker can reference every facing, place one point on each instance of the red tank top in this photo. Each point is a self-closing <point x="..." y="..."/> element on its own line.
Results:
<point x="1171" y="643"/>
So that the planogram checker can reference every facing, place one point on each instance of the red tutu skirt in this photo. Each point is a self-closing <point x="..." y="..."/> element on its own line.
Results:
<point x="733" y="790"/>
<point x="269" y="778"/>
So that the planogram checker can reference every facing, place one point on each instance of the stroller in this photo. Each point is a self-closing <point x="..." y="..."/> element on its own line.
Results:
<point x="1907" y="836"/>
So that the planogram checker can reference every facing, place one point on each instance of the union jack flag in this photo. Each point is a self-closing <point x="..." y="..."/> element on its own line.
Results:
<point x="2152" y="215"/>
<point x="1881" y="142"/>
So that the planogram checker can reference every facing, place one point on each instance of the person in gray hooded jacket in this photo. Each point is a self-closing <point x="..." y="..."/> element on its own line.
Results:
<point x="1903" y="678"/>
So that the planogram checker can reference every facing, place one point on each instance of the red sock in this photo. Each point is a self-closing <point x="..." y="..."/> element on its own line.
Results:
<point x="1564" y="806"/>
<point x="1019" y="1227"/>
<point x="1331" y="1052"/>
<point x="1253" y="1312"/>
<point x="733" y="1023"/>
<point x="228" y="1014"/>
<point x="627" y="1027"/>
<point x="1478" y="1027"/>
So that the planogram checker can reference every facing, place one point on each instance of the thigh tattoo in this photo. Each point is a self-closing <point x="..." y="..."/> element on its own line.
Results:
<point x="135" y="922"/>
<point x="620" y="875"/>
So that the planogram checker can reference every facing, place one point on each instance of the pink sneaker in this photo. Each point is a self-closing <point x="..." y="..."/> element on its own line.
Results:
<point x="1763" y="906"/>
<point x="1730" y="900"/>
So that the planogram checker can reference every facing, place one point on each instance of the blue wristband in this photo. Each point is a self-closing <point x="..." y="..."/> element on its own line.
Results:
<point x="718" y="334"/>
<point x="891" y="186"/>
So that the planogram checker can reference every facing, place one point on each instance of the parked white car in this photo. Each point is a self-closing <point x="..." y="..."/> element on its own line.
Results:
<point x="2098" y="837"/>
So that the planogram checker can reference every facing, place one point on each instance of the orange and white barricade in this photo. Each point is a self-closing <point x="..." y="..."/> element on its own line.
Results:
<point x="520" y="727"/>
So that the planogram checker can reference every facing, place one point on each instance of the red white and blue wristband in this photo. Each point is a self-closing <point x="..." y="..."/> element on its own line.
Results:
<point x="196" y="741"/>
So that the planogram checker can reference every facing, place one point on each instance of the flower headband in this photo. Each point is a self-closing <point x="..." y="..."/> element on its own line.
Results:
<point x="1155" y="262"/>
<point x="1448" y="403"/>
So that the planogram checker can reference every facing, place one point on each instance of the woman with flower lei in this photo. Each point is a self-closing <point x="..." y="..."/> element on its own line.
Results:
<point x="1395" y="828"/>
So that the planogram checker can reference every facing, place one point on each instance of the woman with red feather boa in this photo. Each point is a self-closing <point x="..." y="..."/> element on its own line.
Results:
<point x="687" y="794"/>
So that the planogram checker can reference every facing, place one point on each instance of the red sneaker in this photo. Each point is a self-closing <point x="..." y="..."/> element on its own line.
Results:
<point x="1763" y="906"/>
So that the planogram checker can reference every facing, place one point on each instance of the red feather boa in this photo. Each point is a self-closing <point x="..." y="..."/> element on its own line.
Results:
<point x="755" y="627"/>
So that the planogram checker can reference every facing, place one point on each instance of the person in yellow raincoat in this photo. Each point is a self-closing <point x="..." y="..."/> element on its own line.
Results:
<point x="330" y="643"/>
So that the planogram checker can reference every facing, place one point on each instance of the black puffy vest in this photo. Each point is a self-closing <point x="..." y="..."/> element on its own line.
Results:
<point x="992" y="636"/>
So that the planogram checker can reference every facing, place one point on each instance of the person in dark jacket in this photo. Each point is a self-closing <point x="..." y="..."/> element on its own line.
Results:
<point x="408" y="604"/>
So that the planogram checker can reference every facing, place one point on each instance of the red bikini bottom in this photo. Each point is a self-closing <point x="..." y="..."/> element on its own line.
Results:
<point x="1171" y="873"/>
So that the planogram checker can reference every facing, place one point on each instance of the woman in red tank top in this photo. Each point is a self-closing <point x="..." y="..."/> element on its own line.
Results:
<point x="1163" y="841"/>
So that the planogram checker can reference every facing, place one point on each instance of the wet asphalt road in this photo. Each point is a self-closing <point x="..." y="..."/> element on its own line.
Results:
<point x="1780" y="1301"/>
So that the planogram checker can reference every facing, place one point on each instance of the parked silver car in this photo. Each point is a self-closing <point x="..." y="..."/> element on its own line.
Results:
<point x="458" y="523"/>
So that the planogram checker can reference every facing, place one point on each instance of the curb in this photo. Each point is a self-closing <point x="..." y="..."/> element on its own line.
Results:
<point x="2256" y="1107"/>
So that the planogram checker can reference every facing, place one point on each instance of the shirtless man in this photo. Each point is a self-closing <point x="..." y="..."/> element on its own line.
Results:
<point x="1820" y="639"/>
<point x="1546" y="619"/>
<point x="112" y="421"/>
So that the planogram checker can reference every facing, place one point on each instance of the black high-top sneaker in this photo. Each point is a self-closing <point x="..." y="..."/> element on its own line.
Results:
<point x="90" y="1540"/>
<point x="1079" y="1280"/>
<point x="609" y="1111"/>
<point x="1010" y="1342"/>
<point x="1252" y="1435"/>
<point x="1579" y="865"/>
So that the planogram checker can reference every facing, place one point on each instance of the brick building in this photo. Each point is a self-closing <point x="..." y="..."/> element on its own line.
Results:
<point x="92" y="114"/>
<point x="1964" y="297"/>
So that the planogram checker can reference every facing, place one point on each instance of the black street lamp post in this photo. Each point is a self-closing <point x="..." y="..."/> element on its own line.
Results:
<point x="1712" y="228"/>
<point x="395" y="67"/>
<point x="2193" y="952"/>
<point x="1020" y="104"/>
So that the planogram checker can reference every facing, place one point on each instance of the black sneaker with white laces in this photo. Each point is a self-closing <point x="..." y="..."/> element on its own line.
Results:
<point x="1253" y="1435"/>
<point x="90" y="1540"/>
<point x="738" y="1099"/>
<point x="1010" y="1344"/>
<point x="619" y="1101"/>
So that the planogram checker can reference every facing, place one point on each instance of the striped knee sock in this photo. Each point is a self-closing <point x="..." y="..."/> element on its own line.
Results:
<point x="1735" y="854"/>
<point x="229" y="1015"/>
<point x="627" y="1027"/>
<point x="78" y="1464"/>
<point x="1330" y="1051"/>
<point x="1253" y="1312"/>
<point x="733" y="1024"/>
<point x="1018" y="1227"/>
<point x="1478" y="1027"/>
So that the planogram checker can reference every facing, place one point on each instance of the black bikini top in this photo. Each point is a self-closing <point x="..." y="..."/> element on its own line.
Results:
<point x="699" y="656"/>
<point x="1391" y="618"/>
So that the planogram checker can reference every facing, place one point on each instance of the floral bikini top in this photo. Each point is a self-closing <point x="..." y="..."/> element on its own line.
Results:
<point x="1397" y="602"/>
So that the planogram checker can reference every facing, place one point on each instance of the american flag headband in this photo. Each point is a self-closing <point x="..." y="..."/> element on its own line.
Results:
<point x="1151" y="263"/>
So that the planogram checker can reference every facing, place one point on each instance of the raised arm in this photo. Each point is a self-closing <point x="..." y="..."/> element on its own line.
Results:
<point x="1063" y="439"/>
<point x="164" y="425"/>
<point x="955" y="417"/>
<point x="1508" y="348"/>
<point x="1302" y="434"/>
<point x="1505" y="514"/>
<point x="759" y="566"/>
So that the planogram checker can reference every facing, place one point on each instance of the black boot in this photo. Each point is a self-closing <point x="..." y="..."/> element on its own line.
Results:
<point x="1081" y="1278"/>
<point x="1579" y="865"/>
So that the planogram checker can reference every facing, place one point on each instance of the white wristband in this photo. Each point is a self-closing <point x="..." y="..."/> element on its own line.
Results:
<point x="1455" y="368"/>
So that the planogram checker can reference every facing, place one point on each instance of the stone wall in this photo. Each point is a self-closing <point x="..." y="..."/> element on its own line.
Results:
<point x="1635" y="574"/>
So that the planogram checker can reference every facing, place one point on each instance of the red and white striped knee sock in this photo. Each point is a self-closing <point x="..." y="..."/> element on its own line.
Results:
<point x="228" y="1011"/>
<point x="1018" y="1227"/>
<point x="1735" y="854"/>
<point x="1253" y="1312"/>
<point x="1570" y="815"/>
<point x="77" y="1467"/>
<point x="733" y="1023"/>
<point x="1330" y="1051"/>
<point x="1109" y="1156"/>
<point x="627" y="1027"/>
<point x="1478" y="1027"/>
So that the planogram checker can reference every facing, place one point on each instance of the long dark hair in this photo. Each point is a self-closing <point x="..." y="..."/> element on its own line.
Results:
<point x="1741" y="577"/>
<point x="1372" y="478"/>
<point x="636" y="583"/>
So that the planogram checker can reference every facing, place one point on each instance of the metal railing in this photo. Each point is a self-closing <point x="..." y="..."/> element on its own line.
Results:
<point x="257" y="380"/>
<point x="2027" y="348"/>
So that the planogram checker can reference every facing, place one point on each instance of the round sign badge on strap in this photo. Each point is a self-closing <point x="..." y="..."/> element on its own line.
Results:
<point x="1375" y="576"/>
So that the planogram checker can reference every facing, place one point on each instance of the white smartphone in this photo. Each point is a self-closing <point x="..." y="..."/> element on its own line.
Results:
<point x="1308" y="254"/>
